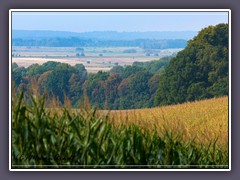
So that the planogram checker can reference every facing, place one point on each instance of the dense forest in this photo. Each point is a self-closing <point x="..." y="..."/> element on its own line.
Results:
<point x="199" y="71"/>
<point x="121" y="88"/>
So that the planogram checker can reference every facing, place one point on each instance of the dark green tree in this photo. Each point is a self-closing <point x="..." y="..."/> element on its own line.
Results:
<point x="199" y="71"/>
<point x="57" y="81"/>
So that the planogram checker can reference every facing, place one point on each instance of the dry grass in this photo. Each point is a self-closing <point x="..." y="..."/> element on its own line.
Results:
<point x="203" y="121"/>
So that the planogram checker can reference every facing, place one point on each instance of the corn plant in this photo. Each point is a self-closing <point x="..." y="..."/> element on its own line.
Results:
<point x="42" y="138"/>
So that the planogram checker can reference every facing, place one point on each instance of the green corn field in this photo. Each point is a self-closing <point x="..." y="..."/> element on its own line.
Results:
<point x="42" y="138"/>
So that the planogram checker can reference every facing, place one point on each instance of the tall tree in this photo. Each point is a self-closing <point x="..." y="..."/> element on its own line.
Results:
<point x="199" y="71"/>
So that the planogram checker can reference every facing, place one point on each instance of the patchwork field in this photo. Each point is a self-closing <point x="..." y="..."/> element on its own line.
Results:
<point x="94" y="59"/>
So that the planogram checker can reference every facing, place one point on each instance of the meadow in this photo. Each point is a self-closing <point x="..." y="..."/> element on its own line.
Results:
<point x="190" y="135"/>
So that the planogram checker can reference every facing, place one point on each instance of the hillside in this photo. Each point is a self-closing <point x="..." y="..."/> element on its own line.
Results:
<point x="203" y="120"/>
<point x="199" y="71"/>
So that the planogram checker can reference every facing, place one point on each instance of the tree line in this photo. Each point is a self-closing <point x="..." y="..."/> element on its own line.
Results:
<point x="120" y="88"/>
<point x="198" y="72"/>
<point x="75" y="42"/>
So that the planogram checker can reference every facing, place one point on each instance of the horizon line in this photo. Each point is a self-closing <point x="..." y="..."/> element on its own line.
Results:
<point x="103" y="31"/>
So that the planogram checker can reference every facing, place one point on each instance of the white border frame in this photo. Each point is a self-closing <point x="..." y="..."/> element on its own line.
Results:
<point x="114" y="10"/>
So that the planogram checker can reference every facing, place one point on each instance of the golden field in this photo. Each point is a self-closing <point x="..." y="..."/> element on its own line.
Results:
<point x="203" y="121"/>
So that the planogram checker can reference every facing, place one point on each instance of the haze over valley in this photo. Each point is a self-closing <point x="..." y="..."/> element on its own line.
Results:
<point x="95" y="50"/>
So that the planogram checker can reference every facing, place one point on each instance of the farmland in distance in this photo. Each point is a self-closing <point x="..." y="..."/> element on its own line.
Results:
<point x="93" y="58"/>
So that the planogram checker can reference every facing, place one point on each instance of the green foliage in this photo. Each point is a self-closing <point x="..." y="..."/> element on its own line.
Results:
<point x="153" y="83"/>
<point x="121" y="88"/>
<point x="61" y="80"/>
<point x="117" y="69"/>
<point x="154" y="66"/>
<point x="111" y="91"/>
<point x="75" y="89"/>
<point x="14" y="66"/>
<point x="17" y="75"/>
<point x="128" y="89"/>
<point x="131" y="70"/>
<point x="134" y="91"/>
<point x="86" y="140"/>
<point x="95" y="88"/>
<point x="34" y="69"/>
<point x="199" y="71"/>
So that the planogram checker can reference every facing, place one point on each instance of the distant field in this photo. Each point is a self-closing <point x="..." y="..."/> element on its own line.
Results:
<point x="203" y="121"/>
<point x="94" y="58"/>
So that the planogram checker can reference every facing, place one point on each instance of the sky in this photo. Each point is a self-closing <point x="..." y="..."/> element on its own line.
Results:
<point x="116" y="21"/>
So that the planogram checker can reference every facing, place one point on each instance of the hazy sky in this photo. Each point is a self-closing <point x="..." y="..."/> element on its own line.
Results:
<point x="116" y="21"/>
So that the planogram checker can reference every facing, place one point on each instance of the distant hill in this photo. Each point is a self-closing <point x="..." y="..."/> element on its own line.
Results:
<point x="146" y="40"/>
<point x="103" y="35"/>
